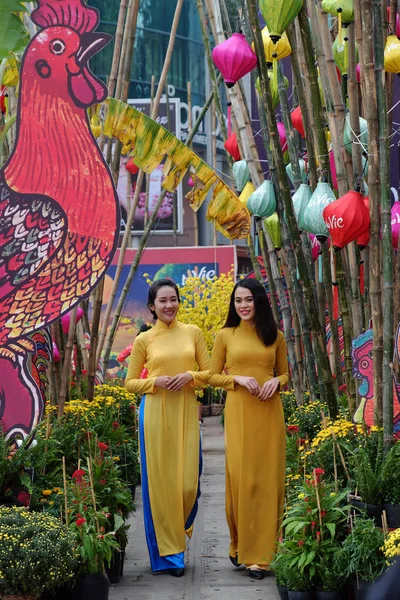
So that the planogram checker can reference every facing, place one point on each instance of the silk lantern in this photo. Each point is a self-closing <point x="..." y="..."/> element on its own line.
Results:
<point x="56" y="353"/>
<point x="362" y="239"/>
<point x="190" y="182"/>
<point x="234" y="58"/>
<point x="303" y="174"/>
<point x="231" y="145"/>
<point x="278" y="14"/>
<point x="297" y="120"/>
<point x="274" y="51"/>
<point x="315" y="247"/>
<point x="262" y="202"/>
<point x="391" y="60"/>
<point x="65" y="320"/>
<point x="273" y="227"/>
<point x="241" y="174"/>
<point x="397" y="26"/>
<point x="282" y="136"/>
<point x="395" y="216"/>
<point x="341" y="53"/>
<point x="363" y="137"/>
<point x="301" y="199"/>
<point x="131" y="167"/>
<point x="248" y="190"/>
<point x="343" y="9"/>
<point x="346" y="218"/>
<point x="273" y="80"/>
<point x="313" y="219"/>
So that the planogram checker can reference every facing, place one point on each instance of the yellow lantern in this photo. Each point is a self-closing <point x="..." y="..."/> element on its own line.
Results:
<point x="392" y="54"/>
<point x="247" y="192"/>
<point x="11" y="74"/>
<point x="275" y="51"/>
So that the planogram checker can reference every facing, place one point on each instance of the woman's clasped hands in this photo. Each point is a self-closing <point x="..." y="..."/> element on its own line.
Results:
<point x="175" y="383"/>
<point x="251" y="384"/>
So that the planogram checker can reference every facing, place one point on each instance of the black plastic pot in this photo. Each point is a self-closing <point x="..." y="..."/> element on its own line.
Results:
<point x="114" y="570"/>
<point x="89" y="585"/>
<point x="132" y="488"/>
<point x="60" y="593"/>
<point x="371" y="510"/>
<point x="309" y="595"/>
<point x="361" y="590"/>
<point x="121" y="571"/>
<point x="337" y="595"/>
<point x="392" y="515"/>
<point x="283" y="592"/>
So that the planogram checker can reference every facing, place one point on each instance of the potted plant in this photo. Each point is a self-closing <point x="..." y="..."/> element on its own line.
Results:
<point x="363" y="554"/>
<point x="280" y="567"/>
<point x="391" y="486"/>
<point x="331" y="575"/>
<point x="37" y="553"/>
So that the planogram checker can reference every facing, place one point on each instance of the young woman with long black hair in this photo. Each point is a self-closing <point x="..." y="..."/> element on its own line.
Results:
<point x="253" y="351"/>
<point x="168" y="425"/>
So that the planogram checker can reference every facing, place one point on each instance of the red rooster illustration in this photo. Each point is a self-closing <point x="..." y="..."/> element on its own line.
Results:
<point x="58" y="205"/>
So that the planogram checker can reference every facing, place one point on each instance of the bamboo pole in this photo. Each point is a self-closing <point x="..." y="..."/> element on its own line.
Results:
<point x="266" y="253"/>
<point x="325" y="376"/>
<point x="387" y="252"/>
<point x="96" y="314"/>
<point x="146" y="201"/>
<point x="375" y="259"/>
<point x="67" y="364"/>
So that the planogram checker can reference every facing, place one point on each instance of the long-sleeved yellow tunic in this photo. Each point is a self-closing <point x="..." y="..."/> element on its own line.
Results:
<point x="254" y="441"/>
<point x="171" y="424"/>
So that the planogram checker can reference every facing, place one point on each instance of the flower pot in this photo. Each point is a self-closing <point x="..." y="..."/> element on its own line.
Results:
<point x="337" y="595"/>
<point x="283" y="592"/>
<point x="308" y="595"/>
<point x="392" y="515"/>
<point x="63" y="592"/>
<point x="361" y="590"/>
<point x="217" y="410"/>
<point x="372" y="511"/>
<point x="18" y="597"/>
<point x="91" y="585"/>
<point x="114" y="570"/>
<point x="121" y="571"/>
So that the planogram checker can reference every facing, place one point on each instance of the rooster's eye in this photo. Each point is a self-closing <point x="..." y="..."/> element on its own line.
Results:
<point x="57" y="46"/>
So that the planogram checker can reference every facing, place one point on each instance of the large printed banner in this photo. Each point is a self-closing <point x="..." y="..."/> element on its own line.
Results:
<point x="174" y="263"/>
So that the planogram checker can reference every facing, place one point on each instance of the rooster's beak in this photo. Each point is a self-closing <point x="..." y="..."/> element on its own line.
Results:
<point x="91" y="43"/>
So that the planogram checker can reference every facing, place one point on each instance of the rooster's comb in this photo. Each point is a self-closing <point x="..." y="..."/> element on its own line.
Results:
<point x="70" y="13"/>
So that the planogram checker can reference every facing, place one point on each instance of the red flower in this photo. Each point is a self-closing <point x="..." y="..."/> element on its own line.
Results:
<point x="293" y="429"/>
<point x="132" y="407"/>
<point x="84" y="372"/>
<point x="102" y="446"/>
<point x="80" y="522"/>
<point x="78" y="475"/>
<point x="102" y="481"/>
<point x="300" y="442"/>
<point x="323" y="513"/>
<point x="24" y="498"/>
<point x="300" y="543"/>
<point x="78" y="515"/>
<point x="343" y="388"/>
<point x="317" y="474"/>
<point x="318" y="536"/>
<point x="115" y="425"/>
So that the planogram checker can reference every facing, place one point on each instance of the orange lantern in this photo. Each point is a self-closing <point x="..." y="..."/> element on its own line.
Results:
<point x="346" y="219"/>
<point x="231" y="145"/>
<point x="297" y="120"/>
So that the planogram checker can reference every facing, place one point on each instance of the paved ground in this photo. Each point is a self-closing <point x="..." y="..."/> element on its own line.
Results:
<point x="209" y="573"/>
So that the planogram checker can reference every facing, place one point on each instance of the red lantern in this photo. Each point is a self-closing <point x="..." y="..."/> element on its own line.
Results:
<point x="346" y="218"/>
<point x="231" y="146"/>
<point x="362" y="240"/>
<point x="131" y="167"/>
<point x="234" y="58"/>
<point x="297" y="120"/>
<point x="3" y="94"/>
<point x="397" y="27"/>
<point x="395" y="216"/>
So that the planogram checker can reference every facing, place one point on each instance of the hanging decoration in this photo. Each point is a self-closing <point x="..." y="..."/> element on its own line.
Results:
<point x="301" y="199"/>
<point x="282" y="136"/>
<point x="278" y="14"/>
<point x="241" y="174"/>
<point x="397" y="26"/>
<point x="273" y="78"/>
<point x="65" y="319"/>
<point x="234" y="58"/>
<point x="131" y="167"/>
<point x="341" y="53"/>
<point x="346" y="218"/>
<point x="313" y="219"/>
<point x="395" y="215"/>
<point x="392" y="54"/>
<point x="343" y="9"/>
<point x="274" y="50"/>
<point x="248" y="190"/>
<point x="262" y="202"/>
<point x="232" y="147"/>
<point x="273" y="227"/>
<point x="297" y="121"/>
<point x="362" y="138"/>
<point x="362" y="240"/>
<point x="315" y="247"/>
<point x="303" y="172"/>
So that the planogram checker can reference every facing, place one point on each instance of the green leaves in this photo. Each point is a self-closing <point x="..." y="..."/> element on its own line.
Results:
<point x="13" y="34"/>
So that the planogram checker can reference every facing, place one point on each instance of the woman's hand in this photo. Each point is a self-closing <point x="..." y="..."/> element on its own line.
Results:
<point x="178" y="381"/>
<point x="269" y="388"/>
<point x="163" y="381"/>
<point x="249" y="383"/>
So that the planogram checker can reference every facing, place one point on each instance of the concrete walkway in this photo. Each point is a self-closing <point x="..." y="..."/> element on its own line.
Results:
<point x="209" y="573"/>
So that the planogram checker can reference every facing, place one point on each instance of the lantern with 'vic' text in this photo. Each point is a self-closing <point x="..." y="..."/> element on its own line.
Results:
<point x="346" y="218"/>
<point x="395" y="216"/>
<point x="313" y="219"/>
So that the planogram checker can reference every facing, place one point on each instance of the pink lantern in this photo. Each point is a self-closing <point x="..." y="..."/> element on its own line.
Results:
<point x="190" y="182"/>
<point x="333" y="169"/>
<point x="315" y="247"/>
<point x="397" y="27"/>
<point x="234" y="58"/>
<point x="56" y="353"/>
<point x="67" y="318"/>
<point x="282" y="135"/>
<point x="395" y="224"/>
<point x="358" y="72"/>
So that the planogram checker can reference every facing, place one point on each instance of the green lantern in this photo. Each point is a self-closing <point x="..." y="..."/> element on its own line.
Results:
<point x="273" y="227"/>
<point x="241" y="174"/>
<point x="301" y="199"/>
<point x="313" y="219"/>
<point x="273" y="79"/>
<point x="262" y="202"/>
<point x="341" y="53"/>
<point x="278" y="14"/>
<point x="303" y="173"/>
<point x="342" y="9"/>
<point x="363" y="137"/>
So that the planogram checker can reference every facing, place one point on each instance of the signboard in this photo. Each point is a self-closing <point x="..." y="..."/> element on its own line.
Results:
<point x="178" y="264"/>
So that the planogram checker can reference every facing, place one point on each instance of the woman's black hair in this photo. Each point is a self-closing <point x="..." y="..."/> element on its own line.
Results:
<point x="266" y="327"/>
<point x="154" y="289"/>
